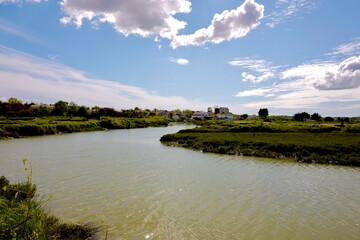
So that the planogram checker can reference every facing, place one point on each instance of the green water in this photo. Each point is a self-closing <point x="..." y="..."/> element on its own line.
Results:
<point x="136" y="188"/>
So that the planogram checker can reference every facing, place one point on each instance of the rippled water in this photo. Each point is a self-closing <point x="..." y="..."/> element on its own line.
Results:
<point x="130" y="184"/>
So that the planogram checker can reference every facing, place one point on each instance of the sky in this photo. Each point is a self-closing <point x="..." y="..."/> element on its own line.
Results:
<point x="287" y="56"/>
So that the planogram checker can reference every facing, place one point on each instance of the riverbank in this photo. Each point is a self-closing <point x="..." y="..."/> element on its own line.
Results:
<point x="25" y="127"/>
<point x="303" y="142"/>
<point x="23" y="217"/>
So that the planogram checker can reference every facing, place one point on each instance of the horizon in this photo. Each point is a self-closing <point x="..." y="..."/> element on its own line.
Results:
<point x="288" y="56"/>
<point x="91" y="108"/>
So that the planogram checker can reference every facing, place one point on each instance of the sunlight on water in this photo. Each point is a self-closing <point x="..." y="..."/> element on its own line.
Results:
<point x="136" y="188"/>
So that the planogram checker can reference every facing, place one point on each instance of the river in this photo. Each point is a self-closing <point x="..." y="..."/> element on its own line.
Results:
<point x="136" y="188"/>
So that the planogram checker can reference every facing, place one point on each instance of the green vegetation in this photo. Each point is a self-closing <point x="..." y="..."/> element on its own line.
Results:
<point x="19" y="119"/>
<point x="20" y="127"/>
<point x="330" y="143"/>
<point x="23" y="217"/>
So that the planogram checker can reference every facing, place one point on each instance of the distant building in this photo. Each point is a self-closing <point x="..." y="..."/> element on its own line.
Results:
<point x="223" y="113"/>
<point x="221" y="110"/>
<point x="200" y="115"/>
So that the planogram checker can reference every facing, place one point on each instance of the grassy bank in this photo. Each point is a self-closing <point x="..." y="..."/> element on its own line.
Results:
<point x="23" y="217"/>
<point x="305" y="142"/>
<point x="21" y="127"/>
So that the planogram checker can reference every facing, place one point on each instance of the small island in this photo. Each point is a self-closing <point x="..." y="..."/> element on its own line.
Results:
<point x="303" y="138"/>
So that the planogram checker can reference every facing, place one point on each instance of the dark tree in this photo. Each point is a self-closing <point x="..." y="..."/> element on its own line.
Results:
<point x="244" y="116"/>
<point x="344" y="119"/>
<point x="83" y="111"/>
<point x="316" y="117"/>
<point x="108" y="112"/>
<point x="263" y="112"/>
<point x="60" y="108"/>
<point x="301" y="116"/>
<point x="73" y="109"/>
<point x="328" y="119"/>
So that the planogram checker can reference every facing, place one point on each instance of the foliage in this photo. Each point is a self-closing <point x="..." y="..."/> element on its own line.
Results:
<point x="301" y="116"/>
<point x="315" y="117"/>
<point x="54" y="125"/>
<point x="263" y="112"/>
<point x="23" y="217"/>
<point x="329" y="119"/>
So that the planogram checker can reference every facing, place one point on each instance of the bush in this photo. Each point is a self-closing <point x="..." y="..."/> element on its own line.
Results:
<point x="22" y="216"/>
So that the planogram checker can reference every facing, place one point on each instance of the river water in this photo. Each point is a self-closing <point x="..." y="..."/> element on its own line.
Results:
<point x="134" y="187"/>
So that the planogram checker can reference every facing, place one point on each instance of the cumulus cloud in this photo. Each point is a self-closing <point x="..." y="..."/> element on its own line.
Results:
<point x="313" y="85"/>
<point x="227" y="25"/>
<point x="260" y="70"/>
<point x="347" y="76"/>
<point x="328" y="75"/>
<point x="158" y="18"/>
<point x="309" y="72"/>
<point x="180" y="61"/>
<point x="35" y="79"/>
<point x="141" y="17"/>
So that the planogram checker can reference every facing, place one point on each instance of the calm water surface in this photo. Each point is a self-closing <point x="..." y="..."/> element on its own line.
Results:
<point x="130" y="184"/>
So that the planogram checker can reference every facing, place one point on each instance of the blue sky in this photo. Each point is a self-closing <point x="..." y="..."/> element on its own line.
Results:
<point x="285" y="55"/>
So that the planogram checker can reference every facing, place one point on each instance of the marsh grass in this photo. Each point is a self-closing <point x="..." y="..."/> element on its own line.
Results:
<point x="23" y="127"/>
<point x="305" y="142"/>
<point x="22" y="216"/>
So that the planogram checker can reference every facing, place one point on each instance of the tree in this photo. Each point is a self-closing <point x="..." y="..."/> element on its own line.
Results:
<point x="188" y="113"/>
<point x="244" y="116"/>
<point x="73" y="109"/>
<point x="13" y="100"/>
<point x="301" y="116"/>
<point x="60" y="108"/>
<point x="82" y="111"/>
<point x="328" y="119"/>
<point x="316" y="117"/>
<point x="263" y="112"/>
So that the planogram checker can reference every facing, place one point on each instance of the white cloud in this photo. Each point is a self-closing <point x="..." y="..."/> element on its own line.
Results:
<point x="34" y="79"/>
<point x="158" y="18"/>
<point x="303" y="87"/>
<point x="141" y="17"/>
<point x="287" y="9"/>
<point x="328" y="75"/>
<point x="309" y="72"/>
<point x="261" y="70"/>
<point x="352" y="48"/>
<point x="180" y="61"/>
<point x="347" y="76"/>
<point x="265" y="92"/>
<point x="228" y="25"/>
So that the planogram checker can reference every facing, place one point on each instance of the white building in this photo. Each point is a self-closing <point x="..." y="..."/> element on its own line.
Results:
<point x="200" y="115"/>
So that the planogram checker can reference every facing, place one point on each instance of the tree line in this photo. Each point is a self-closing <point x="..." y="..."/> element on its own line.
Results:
<point x="15" y="108"/>
<point x="304" y="116"/>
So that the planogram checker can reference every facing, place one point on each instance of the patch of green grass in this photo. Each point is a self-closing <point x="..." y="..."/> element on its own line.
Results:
<point x="306" y="142"/>
<point x="20" y="127"/>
